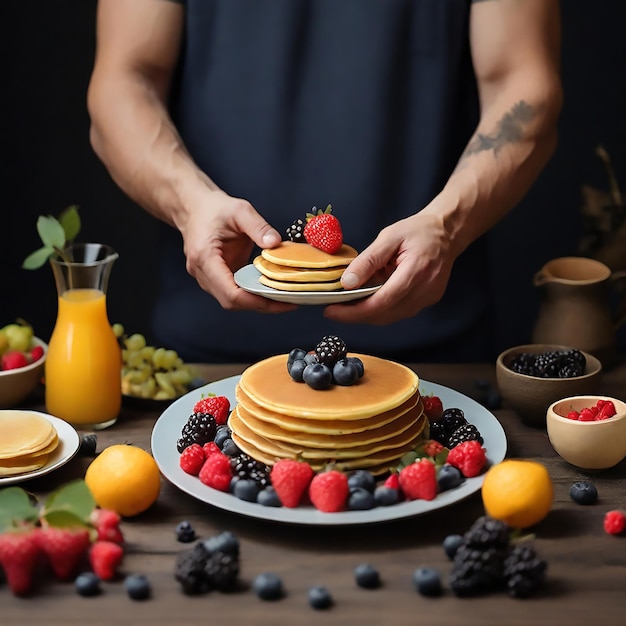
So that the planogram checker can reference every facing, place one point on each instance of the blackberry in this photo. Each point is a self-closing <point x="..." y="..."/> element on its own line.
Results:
<point x="330" y="349"/>
<point x="295" y="232"/>
<point x="475" y="571"/>
<point x="200" y="428"/>
<point x="438" y="433"/>
<point x="523" y="363"/>
<point x="487" y="532"/>
<point x="547" y="365"/>
<point x="189" y="570"/>
<point x="467" y="432"/>
<point x="221" y="571"/>
<point x="552" y="364"/>
<point x="244" y="466"/>
<point x="452" y="419"/>
<point x="524" y="571"/>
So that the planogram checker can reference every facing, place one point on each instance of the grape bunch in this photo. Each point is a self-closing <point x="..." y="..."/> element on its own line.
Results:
<point x="151" y="372"/>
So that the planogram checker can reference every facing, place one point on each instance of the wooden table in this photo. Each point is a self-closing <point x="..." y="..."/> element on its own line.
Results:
<point x="586" y="568"/>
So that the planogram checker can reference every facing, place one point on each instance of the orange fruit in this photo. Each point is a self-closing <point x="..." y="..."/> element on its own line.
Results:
<point x="518" y="492"/>
<point x="125" y="479"/>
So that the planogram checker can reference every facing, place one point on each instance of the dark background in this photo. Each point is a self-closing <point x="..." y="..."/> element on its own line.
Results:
<point x="47" y="164"/>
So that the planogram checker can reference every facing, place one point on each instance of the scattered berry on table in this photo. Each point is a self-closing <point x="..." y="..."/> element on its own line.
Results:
<point x="217" y="406"/>
<point x="320" y="598"/>
<point x="328" y="491"/>
<point x="583" y="492"/>
<point x="268" y="586"/>
<point x="105" y="557"/>
<point x="200" y="428"/>
<point x="451" y="544"/>
<point x="323" y="230"/>
<point x="64" y="549"/>
<point x="469" y="457"/>
<point x="418" y="480"/>
<point x="487" y="532"/>
<point x="476" y="571"/>
<point x="137" y="587"/>
<point x="107" y="523"/>
<point x="367" y="576"/>
<point x="524" y="572"/>
<point x="192" y="459"/>
<point x="449" y="477"/>
<point x="291" y="480"/>
<point x="87" y="584"/>
<point x="19" y="553"/>
<point x="222" y="571"/>
<point x="88" y="445"/>
<point x="615" y="522"/>
<point x="427" y="581"/>
<point x="225" y="542"/>
<point x="185" y="532"/>
<point x="467" y="432"/>
<point x="433" y="407"/>
<point x="189" y="570"/>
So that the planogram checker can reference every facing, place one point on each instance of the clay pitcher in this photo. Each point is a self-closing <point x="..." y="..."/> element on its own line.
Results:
<point x="579" y="306"/>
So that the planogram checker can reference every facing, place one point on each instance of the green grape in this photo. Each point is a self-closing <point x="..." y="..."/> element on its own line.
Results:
<point x="135" y="342"/>
<point x="118" y="330"/>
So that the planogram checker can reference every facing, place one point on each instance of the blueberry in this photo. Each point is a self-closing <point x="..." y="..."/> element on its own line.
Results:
<point x="87" y="584"/>
<point x="88" y="445"/>
<point x="451" y="544"/>
<point x="185" y="532"/>
<point x="427" y="581"/>
<point x="222" y="434"/>
<point x="296" y="370"/>
<point x="360" y="499"/>
<point x="367" y="576"/>
<point x="449" y="477"/>
<point x="320" y="598"/>
<point x="137" y="587"/>
<point x="386" y="496"/>
<point x="363" y="479"/>
<point x="230" y="448"/>
<point x="246" y="489"/>
<point x="345" y="373"/>
<point x="583" y="492"/>
<point x="317" y="376"/>
<point x="360" y="368"/>
<point x="296" y="354"/>
<point x="268" y="497"/>
<point x="268" y="586"/>
<point x="310" y="358"/>
<point x="225" y="542"/>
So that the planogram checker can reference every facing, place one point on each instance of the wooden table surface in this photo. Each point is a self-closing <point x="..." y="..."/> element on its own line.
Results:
<point x="586" y="581"/>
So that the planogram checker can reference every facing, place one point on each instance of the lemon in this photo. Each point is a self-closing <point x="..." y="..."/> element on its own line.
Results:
<point x="125" y="479"/>
<point x="518" y="492"/>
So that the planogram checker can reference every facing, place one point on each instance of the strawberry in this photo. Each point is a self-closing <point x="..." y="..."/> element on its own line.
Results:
<point x="418" y="480"/>
<point x="323" y="231"/>
<point x="468" y="457"/>
<point x="19" y="552"/>
<point x="64" y="549"/>
<point x="433" y="407"/>
<point x="107" y="524"/>
<point x="216" y="471"/>
<point x="291" y="479"/>
<point x="392" y="481"/>
<point x="329" y="491"/>
<point x="36" y="353"/>
<point x="432" y="447"/>
<point x="614" y="522"/>
<point x="192" y="459"/>
<point x="105" y="556"/>
<point x="13" y="360"/>
<point x="217" y="406"/>
<point x="606" y="409"/>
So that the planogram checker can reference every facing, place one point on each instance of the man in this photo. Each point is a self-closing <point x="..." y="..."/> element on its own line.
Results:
<point x="422" y="122"/>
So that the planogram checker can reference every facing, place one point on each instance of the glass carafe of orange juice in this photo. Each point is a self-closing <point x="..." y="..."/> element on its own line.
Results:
<point x="83" y="366"/>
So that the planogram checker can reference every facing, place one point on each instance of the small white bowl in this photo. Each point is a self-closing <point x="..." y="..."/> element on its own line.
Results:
<point x="17" y="384"/>
<point x="588" y="445"/>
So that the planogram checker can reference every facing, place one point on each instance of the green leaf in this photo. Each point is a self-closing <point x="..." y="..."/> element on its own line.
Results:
<point x="74" y="498"/>
<point x="16" y="506"/>
<point x="38" y="258"/>
<point x="70" y="221"/>
<point x="51" y="231"/>
<point x="60" y="518"/>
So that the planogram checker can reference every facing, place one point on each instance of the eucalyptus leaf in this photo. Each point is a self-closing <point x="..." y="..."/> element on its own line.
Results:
<point x="16" y="506"/>
<point x="51" y="231"/>
<point x="74" y="498"/>
<point x="38" y="258"/>
<point x="70" y="221"/>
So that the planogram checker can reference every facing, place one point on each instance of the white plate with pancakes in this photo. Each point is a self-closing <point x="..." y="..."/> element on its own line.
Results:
<point x="66" y="448"/>
<point x="169" y="425"/>
<point x="248" y="279"/>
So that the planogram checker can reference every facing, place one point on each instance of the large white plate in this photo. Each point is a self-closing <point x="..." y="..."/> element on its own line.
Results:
<point x="248" y="279"/>
<point x="169" y="425"/>
<point x="69" y="443"/>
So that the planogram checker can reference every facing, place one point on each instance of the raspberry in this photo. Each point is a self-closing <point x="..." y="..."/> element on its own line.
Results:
<point x="216" y="472"/>
<point x="107" y="523"/>
<point x="615" y="522"/>
<point x="433" y="407"/>
<point x="469" y="457"/>
<point x="432" y="447"/>
<point x="419" y="480"/>
<point x="329" y="491"/>
<point x="36" y="353"/>
<point x="104" y="557"/>
<point x="210" y="448"/>
<point x="13" y="360"/>
<point x="192" y="459"/>
<point x="64" y="548"/>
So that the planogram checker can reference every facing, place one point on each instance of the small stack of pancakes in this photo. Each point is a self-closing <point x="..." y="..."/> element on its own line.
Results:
<point x="369" y="425"/>
<point x="26" y="441"/>
<point x="301" y="267"/>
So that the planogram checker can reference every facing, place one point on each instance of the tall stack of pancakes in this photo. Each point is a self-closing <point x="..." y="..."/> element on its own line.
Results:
<point x="368" y="425"/>
<point x="301" y="267"/>
<point x="26" y="441"/>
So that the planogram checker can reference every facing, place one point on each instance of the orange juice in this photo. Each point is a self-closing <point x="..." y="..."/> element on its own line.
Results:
<point x="83" y="366"/>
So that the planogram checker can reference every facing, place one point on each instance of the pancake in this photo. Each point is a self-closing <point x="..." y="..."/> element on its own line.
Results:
<point x="22" y="466"/>
<point x="23" y="433"/>
<point x="304" y="255"/>
<point x="296" y="274"/>
<point x="384" y="386"/>
<point x="334" y="285"/>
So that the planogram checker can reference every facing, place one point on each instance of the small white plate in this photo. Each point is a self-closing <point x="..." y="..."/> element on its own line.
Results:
<point x="69" y="442"/>
<point x="248" y="279"/>
<point x="167" y="430"/>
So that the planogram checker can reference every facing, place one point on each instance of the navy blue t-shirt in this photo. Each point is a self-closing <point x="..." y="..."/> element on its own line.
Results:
<point x="363" y="104"/>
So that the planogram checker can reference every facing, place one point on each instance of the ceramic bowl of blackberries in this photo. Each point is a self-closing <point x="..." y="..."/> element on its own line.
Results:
<point x="588" y="431"/>
<point x="531" y="377"/>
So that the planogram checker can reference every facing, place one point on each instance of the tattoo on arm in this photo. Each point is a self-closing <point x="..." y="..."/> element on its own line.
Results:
<point x="510" y="129"/>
